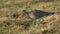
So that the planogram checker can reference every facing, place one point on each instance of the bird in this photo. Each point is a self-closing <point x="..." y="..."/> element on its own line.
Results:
<point x="36" y="14"/>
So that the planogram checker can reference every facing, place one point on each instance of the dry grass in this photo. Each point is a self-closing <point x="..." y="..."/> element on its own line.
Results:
<point x="23" y="25"/>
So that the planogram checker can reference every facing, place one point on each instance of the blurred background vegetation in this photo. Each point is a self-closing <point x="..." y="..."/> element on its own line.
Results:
<point x="20" y="24"/>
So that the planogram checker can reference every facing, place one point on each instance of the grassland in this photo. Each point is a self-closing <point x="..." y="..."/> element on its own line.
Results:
<point x="23" y="25"/>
